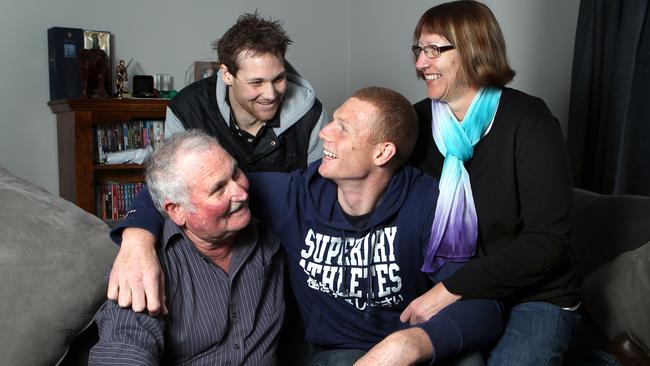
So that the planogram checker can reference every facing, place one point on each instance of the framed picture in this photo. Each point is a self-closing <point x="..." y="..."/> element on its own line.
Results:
<point x="101" y="38"/>
<point x="204" y="69"/>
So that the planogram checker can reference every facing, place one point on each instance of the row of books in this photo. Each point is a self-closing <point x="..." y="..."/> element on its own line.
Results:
<point x="112" y="200"/>
<point x="127" y="135"/>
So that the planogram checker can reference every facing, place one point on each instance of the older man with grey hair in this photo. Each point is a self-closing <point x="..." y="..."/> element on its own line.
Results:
<point x="223" y="271"/>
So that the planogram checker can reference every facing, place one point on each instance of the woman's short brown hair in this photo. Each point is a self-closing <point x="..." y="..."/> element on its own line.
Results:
<point x="472" y="28"/>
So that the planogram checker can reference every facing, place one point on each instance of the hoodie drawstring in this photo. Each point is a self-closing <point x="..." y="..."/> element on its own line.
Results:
<point x="372" y="238"/>
<point x="346" y="289"/>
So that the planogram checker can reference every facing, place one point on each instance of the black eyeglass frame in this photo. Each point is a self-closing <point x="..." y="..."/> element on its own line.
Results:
<point x="437" y="50"/>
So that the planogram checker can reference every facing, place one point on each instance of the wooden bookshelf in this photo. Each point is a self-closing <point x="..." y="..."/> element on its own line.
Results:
<point x="75" y="118"/>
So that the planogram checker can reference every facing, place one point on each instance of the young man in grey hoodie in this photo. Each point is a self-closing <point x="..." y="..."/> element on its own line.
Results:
<point x="257" y="106"/>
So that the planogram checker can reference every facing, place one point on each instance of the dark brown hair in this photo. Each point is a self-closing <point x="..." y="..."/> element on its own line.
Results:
<point x="252" y="35"/>
<point x="396" y="120"/>
<point x="472" y="28"/>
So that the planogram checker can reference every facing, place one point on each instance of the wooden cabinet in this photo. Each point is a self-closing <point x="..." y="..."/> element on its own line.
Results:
<point x="78" y="173"/>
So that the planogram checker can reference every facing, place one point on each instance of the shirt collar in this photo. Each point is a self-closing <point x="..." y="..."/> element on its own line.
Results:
<point x="245" y="243"/>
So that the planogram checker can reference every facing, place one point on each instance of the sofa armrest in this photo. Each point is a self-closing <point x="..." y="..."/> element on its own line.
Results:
<point x="53" y="259"/>
<point x="605" y="226"/>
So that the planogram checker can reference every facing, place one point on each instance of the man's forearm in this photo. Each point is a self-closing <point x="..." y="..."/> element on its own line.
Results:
<point x="136" y="278"/>
<point x="406" y="347"/>
<point x="464" y="326"/>
<point x="133" y="236"/>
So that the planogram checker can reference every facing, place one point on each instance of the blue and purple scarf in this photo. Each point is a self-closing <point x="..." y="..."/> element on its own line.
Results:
<point x="455" y="226"/>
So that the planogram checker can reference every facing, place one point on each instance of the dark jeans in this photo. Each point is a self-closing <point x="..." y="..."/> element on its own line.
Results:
<point x="537" y="333"/>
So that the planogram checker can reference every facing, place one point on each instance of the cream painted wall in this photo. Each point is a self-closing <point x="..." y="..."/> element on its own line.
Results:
<point x="339" y="46"/>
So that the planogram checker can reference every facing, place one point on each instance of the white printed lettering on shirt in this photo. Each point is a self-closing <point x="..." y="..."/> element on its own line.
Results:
<point x="339" y="267"/>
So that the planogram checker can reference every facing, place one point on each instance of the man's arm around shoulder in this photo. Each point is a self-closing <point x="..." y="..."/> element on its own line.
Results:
<point x="136" y="277"/>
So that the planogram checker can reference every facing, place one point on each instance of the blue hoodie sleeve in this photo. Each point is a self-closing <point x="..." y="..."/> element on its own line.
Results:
<point x="267" y="191"/>
<point x="464" y="326"/>
<point x="142" y="214"/>
<point x="270" y="197"/>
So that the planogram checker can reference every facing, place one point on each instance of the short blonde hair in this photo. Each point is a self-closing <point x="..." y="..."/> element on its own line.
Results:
<point x="396" y="120"/>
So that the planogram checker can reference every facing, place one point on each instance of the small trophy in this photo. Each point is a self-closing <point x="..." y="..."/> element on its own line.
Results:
<point x="121" y="76"/>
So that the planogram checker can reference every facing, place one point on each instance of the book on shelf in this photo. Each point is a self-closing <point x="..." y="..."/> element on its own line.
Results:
<point x="64" y="44"/>
<point x="112" y="199"/>
<point x="125" y="136"/>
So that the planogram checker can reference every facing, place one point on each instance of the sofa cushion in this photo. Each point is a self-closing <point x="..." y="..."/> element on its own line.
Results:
<point x="53" y="260"/>
<point x="605" y="226"/>
<point x="617" y="294"/>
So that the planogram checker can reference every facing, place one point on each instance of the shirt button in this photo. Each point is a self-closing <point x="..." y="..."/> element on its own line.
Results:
<point x="272" y="143"/>
<point x="236" y="346"/>
<point x="234" y="315"/>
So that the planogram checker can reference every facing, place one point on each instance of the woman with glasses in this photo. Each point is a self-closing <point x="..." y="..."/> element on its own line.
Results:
<point x="505" y="187"/>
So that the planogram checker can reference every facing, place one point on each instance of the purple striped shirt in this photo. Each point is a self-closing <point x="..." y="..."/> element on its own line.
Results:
<point x="215" y="318"/>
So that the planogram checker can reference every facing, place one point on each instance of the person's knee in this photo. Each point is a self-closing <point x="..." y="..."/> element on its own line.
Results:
<point x="536" y="334"/>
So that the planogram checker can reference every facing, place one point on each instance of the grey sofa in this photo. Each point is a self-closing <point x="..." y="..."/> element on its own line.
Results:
<point x="611" y="242"/>
<point x="53" y="259"/>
